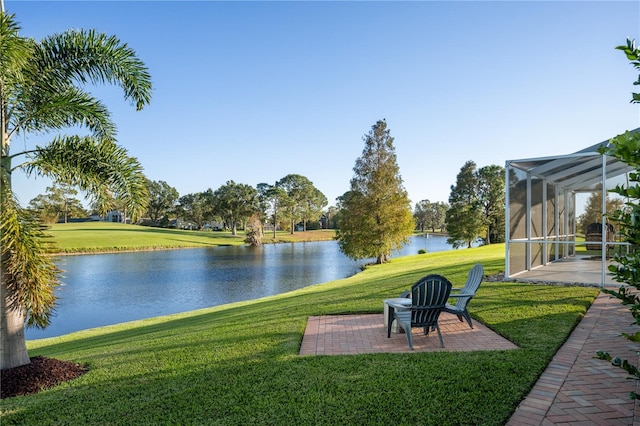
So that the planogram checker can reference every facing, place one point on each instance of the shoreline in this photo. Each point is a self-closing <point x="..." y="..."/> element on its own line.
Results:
<point x="163" y="248"/>
<point x="128" y="250"/>
<point x="269" y="240"/>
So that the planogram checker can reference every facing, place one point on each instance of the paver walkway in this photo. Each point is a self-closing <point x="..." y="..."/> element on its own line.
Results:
<point x="575" y="389"/>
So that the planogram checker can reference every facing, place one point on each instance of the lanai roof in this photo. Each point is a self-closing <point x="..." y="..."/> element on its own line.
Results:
<point x="581" y="171"/>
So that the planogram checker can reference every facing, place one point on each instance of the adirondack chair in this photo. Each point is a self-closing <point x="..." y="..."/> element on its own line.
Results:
<point x="428" y="298"/>
<point x="465" y="295"/>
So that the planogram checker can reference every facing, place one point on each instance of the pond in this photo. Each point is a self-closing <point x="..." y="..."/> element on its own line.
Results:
<point x="104" y="289"/>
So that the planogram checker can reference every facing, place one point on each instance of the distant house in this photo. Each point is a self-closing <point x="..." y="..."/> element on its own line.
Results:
<point x="213" y="226"/>
<point x="116" y="216"/>
<point x="181" y="224"/>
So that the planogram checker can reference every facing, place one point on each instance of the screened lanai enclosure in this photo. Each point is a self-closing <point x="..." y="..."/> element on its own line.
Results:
<point x="542" y="241"/>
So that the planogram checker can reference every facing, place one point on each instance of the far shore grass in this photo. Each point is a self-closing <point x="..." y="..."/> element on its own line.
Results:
<point x="95" y="237"/>
<point x="238" y="364"/>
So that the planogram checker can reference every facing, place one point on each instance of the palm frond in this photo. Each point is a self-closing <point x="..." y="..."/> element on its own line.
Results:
<point x="46" y="108"/>
<point x="15" y="51"/>
<point x="31" y="275"/>
<point x="99" y="166"/>
<point x="89" y="56"/>
<point x="41" y="90"/>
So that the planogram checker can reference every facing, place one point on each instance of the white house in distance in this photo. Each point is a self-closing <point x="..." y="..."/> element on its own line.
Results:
<point x="117" y="217"/>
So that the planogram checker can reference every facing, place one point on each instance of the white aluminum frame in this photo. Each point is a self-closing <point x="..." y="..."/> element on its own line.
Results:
<point x="569" y="174"/>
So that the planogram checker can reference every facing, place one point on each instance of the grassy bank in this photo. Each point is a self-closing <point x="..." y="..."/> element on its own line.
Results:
<point x="238" y="364"/>
<point x="91" y="237"/>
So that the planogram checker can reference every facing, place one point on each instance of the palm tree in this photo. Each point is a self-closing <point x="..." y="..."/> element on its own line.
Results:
<point x="42" y="91"/>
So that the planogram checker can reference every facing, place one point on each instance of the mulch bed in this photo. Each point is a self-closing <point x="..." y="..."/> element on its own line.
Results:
<point x="41" y="373"/>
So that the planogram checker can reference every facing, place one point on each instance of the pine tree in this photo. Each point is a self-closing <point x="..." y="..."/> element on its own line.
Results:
<point x="375" y="216"/>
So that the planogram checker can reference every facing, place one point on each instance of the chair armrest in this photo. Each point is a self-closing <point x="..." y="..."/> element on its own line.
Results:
<point x="461" y="295"/>
<point x="398" y="306"/>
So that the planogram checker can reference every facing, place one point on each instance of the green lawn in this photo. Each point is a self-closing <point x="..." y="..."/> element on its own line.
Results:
<point x="88" y="237"/>
<point x="237" y="364"/>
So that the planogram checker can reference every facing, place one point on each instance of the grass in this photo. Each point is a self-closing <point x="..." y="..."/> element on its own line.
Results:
<point x="237" y="364"/>
<point x="91" y="237"/>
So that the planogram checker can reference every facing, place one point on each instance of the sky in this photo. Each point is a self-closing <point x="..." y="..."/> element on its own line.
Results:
<point x="254" y="91"/>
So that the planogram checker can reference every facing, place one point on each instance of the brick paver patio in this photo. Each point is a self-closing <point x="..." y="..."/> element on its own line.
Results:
<point x="357" y="334"/>
<point x="575" y="389"/>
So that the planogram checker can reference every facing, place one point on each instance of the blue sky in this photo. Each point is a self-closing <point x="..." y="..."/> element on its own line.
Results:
<point x="253" y="91"/>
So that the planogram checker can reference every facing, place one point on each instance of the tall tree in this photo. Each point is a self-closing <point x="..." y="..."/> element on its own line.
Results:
<point x="491" y="193"/>
<point x="421" y="214"/>
<point x="162" y="200"/>
<point x="272" y="201"/>
<point x="312" y="208"/>
<point x="197" y="208"/>
<point x="304" y="201"/>
<point x="376" y="213"/>
<point x="593" y="209"/>
<point x="43" y="88"/>
<point x="235" y="202"/>
<point x="58" y="201"/>
<point x="330" y="217"/>
<point x="464" y="217"/>
<point x="438" y="220"/>
<point x="477" y="206"/>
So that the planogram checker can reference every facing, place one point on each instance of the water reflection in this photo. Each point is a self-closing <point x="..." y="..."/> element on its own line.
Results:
<point x="107" y="289"/>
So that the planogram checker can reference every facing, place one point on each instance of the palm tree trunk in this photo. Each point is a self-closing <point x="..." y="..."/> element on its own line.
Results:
<point x="275" y="221"/>
<point x="13" y="347"/>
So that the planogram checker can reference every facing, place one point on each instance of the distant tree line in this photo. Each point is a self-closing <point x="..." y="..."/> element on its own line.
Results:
<point x="291" y="203"/>
<point x="475" y="210"/>
<point x="372" y="218"/>
<point x="59" y="202"/>
<point x="430" y="216"/>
